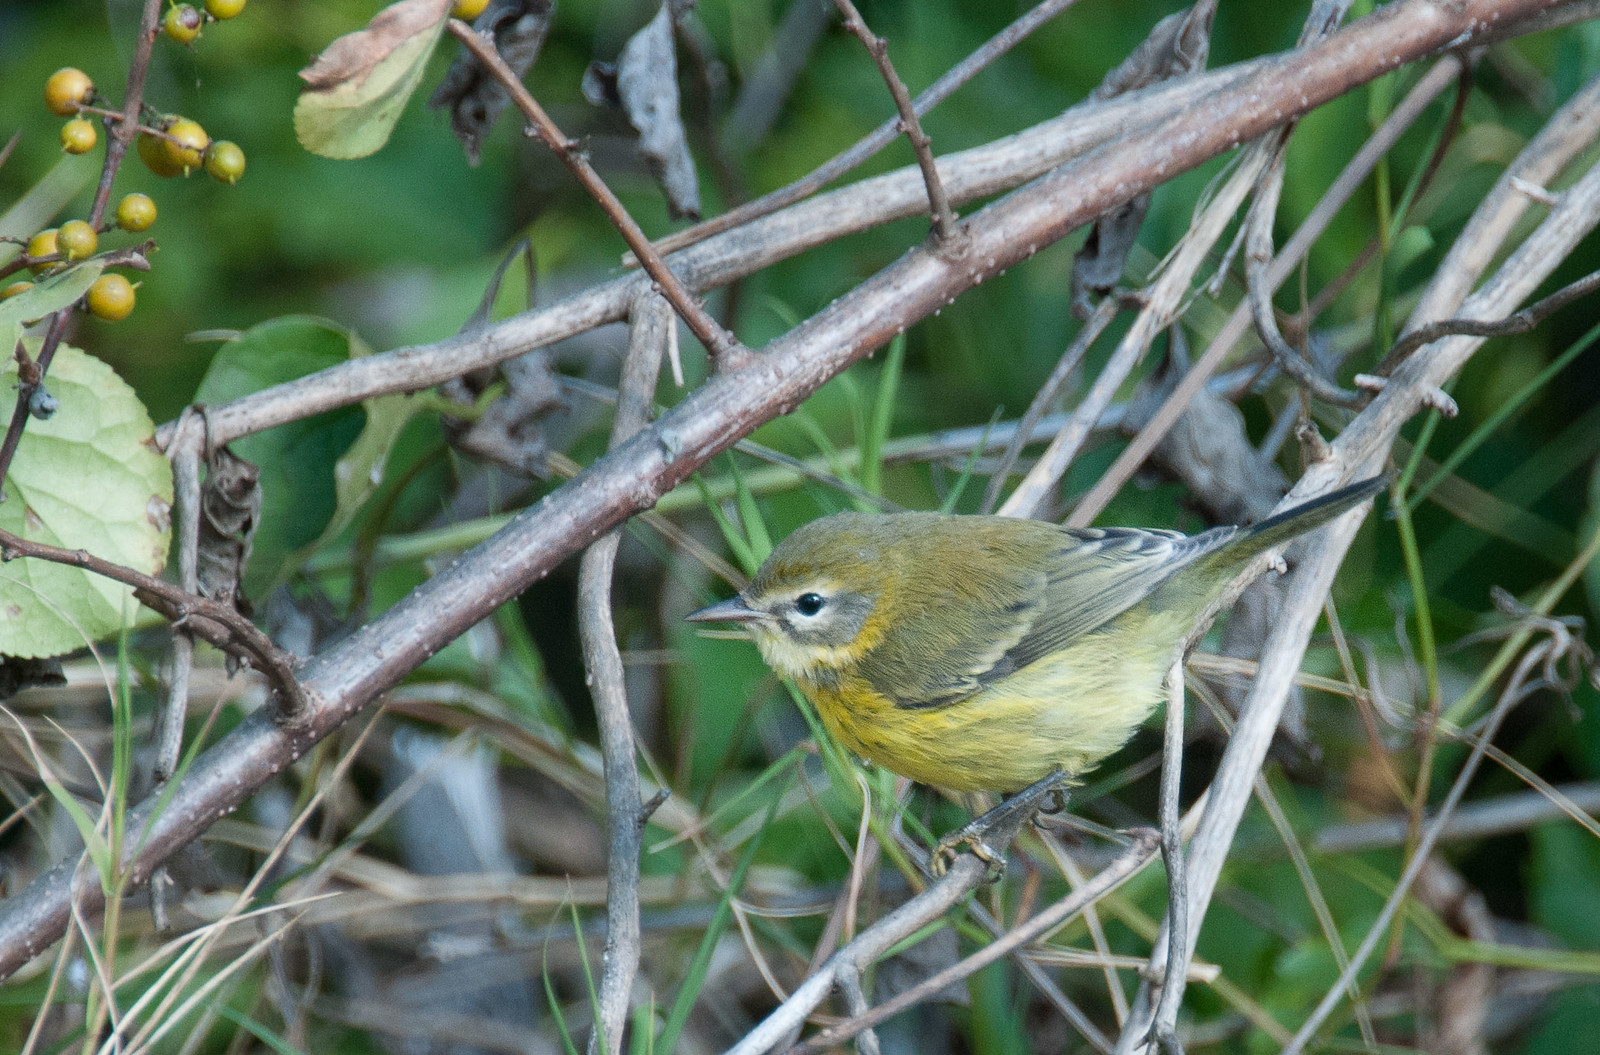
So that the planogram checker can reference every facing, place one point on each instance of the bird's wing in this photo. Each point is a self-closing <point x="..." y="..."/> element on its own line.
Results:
<point x="1095" y="575"/>
<point x="984" y="599"/>
<point x="1000" y="601"/>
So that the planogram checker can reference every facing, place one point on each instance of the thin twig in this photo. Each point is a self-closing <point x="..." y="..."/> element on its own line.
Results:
<point x="725" y="351"/>
<point x="220" y="624"/>
<point x="1508" y="813"/>
<point x="1145" y="845"/>
<point x="1164" y="1024"/>
<point x="938" y="202"/>
<point x="1519" y="322"/>
<point x="1259" y="286"/>
<point x="625" y="810"/>
<point x="185" y="456"/>
<point x="870" y="144"/>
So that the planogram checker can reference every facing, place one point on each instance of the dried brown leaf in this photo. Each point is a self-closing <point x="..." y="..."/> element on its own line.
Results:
<point x="353" y="56"/>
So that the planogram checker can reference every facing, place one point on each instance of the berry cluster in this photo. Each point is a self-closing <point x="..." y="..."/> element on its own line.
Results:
<point x="168" y="144"/>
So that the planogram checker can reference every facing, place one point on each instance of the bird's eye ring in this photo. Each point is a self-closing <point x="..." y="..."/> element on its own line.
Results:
<point x="809" y="603"/>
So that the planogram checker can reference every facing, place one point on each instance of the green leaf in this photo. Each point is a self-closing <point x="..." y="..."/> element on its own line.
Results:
<point x="45" y="199"/>
<point x="696" y="977"/>
<point x="360" y="84"/>
<point x="359" y="471"/>
<point x="48" y="295"/>
<point x="877" y="433"/>
<point x="87" y="478"/>
<point x="299" y="497"/>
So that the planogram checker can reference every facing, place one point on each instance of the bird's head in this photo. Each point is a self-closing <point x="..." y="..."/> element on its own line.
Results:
<point x="810" y="608"/>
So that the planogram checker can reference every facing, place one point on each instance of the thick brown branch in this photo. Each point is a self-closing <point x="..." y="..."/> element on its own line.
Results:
<point x="724" y="350"/>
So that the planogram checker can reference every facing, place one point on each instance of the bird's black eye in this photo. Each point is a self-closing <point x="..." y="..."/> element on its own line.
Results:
<point x="809" y="603"/>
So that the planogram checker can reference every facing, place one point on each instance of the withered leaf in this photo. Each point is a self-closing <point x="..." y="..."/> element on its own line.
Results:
<point x="353" y="56"/>
<point x="646" y="82"/>
<point x="475" y="99"/>
<point x="230" y="509"/>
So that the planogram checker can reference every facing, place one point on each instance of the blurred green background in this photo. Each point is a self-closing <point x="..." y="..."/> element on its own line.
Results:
<point x="399" y="248"/>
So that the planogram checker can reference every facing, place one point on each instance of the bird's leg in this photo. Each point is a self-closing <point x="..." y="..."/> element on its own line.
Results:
<point x="997" y="827"/>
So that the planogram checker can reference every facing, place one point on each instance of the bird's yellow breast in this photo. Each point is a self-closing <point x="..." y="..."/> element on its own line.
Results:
<point x="1067" y="711"/>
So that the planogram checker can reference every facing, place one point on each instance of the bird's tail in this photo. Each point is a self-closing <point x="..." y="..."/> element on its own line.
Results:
<point x="1244" y="544"/>
<point x="1279" y="529"/>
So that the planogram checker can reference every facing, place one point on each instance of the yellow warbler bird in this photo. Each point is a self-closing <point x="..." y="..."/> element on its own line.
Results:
<point x="990" y="653"/>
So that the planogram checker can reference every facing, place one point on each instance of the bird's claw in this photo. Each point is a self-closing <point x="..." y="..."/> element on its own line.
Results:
<point x="949" y="848"/>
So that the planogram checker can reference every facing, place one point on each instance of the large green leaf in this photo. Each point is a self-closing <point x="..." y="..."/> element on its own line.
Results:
<point x="359" y="471"/>
<point x="88" y="478"/>
<point x="297" y="460"/>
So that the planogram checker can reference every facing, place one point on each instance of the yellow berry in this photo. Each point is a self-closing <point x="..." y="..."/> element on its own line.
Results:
<point x="111" y="297"/>
<point x="187" y="147"/>
<point x="77" y="240"/>
<point x="43" y="244"/>
<point x="78" y="136"/>
<point x="468" y="9"/>
<point x="225" y="161"/>
<point x="222" y="10"/>
<point x="153" y="152"/>
<point x="136" y="212"/>
<point x="15" y="288"/>
<point x="67" y="89"/>
<point x="183" y="23"/>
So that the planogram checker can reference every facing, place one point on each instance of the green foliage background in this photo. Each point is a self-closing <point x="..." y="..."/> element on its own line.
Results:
<point x="399" y="247"/>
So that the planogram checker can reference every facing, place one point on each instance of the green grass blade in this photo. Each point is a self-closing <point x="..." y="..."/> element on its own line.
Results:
<point x="950" y="500"/>
<point x="877" y="432"/>
<point x="265" y="1035"/>
<point x="1501" y="413"/>
<point x="742" y="551"/>
<point x="689" y="992"/>
<point x="755" y="527"/>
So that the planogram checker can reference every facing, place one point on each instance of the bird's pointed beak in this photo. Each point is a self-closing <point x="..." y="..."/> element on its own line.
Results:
<point x="733" y="610"/>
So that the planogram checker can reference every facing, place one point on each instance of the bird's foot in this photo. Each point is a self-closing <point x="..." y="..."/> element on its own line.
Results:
<point x="998" y="827"/>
